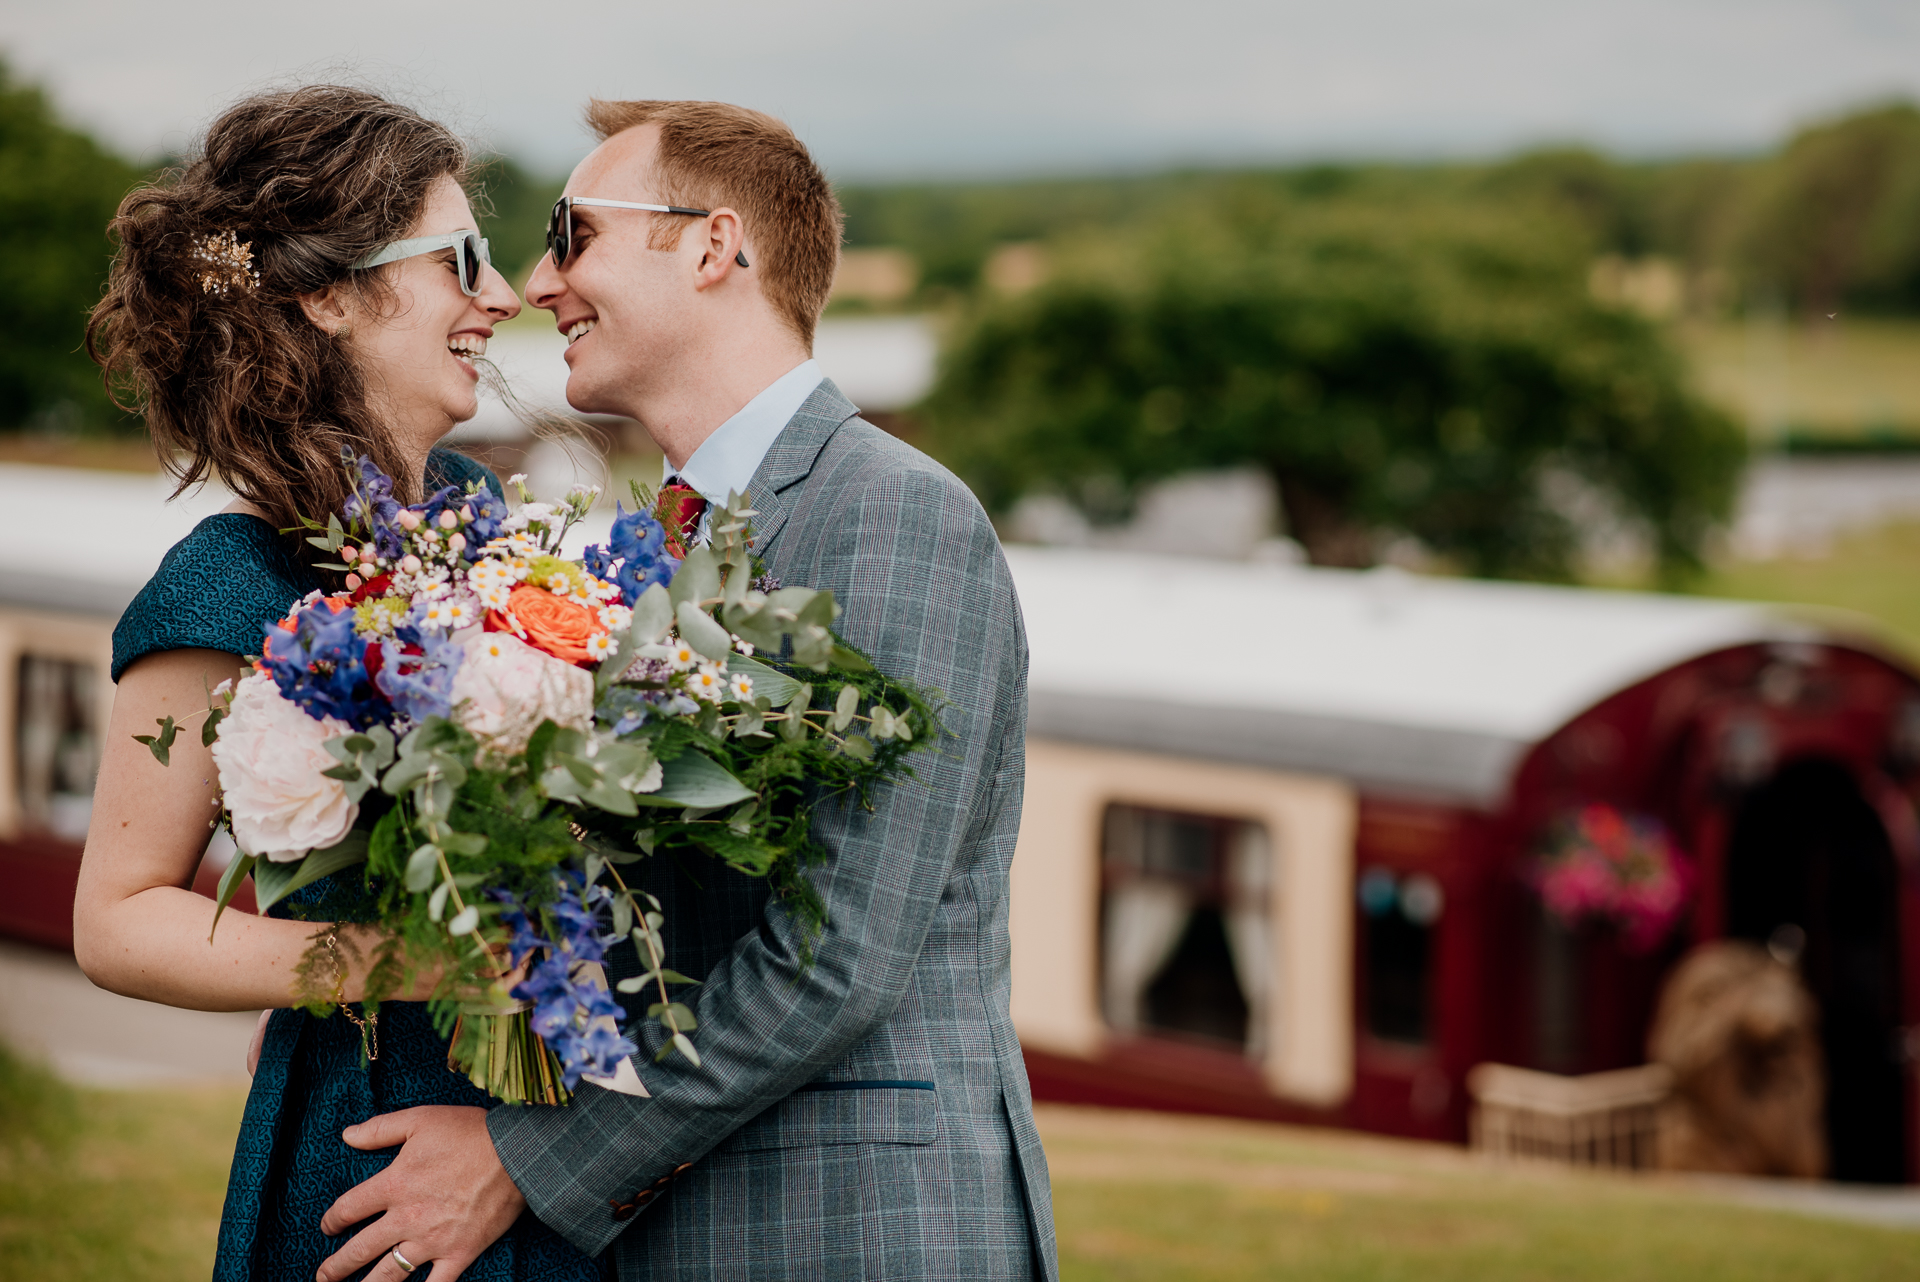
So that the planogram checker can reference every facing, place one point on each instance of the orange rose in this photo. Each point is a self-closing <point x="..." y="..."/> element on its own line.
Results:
<point x="557" y="626"/>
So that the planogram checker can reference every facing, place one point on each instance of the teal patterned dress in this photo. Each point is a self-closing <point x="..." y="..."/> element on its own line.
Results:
<point x="215" y="589"/>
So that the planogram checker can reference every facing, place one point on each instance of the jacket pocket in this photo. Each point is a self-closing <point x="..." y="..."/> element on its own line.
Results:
<point x="845" y="1112"/>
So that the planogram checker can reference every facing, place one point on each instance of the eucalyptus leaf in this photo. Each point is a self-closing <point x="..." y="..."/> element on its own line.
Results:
<point x="698" y="630"/>
<point x="697" y="579"/>
<point x="612" y="799"/>
<point x="845" y="707"/>
<point x="652" y="615"/>
<point x="684" y="1044"/>
<point x="422" y="867"/>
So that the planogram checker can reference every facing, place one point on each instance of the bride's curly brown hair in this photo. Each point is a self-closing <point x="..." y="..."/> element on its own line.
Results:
<point x="239" y="384"/>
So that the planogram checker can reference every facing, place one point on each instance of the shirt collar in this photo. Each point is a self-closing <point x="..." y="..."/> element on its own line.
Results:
<point x="727" y="460"/>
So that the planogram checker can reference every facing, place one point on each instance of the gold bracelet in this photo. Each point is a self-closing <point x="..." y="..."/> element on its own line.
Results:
<point x="370" y="1026"/>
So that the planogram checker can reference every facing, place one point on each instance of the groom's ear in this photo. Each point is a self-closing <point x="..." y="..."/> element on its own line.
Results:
<point x="722" y="251"/>
<point x="327" y="309"/>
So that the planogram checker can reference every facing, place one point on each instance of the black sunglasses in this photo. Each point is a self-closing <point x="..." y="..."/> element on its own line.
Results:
<point x="560" y="224"/>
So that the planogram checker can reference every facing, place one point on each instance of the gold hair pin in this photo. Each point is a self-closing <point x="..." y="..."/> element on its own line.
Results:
<point x="229" y="263"/>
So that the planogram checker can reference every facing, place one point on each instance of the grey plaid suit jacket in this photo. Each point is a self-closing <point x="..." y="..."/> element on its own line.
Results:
<point x="868" y="1116"/>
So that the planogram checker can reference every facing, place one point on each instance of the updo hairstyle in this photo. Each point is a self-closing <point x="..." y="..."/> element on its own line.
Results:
<point x="233" y="378"/>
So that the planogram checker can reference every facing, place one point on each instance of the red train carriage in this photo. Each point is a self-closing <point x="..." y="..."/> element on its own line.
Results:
<point x="1279" y="824"/>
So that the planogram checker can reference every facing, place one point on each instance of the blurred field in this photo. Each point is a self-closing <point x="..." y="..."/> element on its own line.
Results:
<point x="1144" y="1196"/>
<point x="127" y="1186"/>
<point x="110" y="1186"/>
<point x="1844" y="377"/>
<point x="1875" y="572"/>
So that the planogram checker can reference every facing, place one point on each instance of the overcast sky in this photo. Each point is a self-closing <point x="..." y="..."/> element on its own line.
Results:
<point x="966" y="87"/>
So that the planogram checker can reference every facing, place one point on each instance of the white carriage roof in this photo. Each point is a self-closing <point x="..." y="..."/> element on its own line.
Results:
<point x="1424" y="686"/>
<point x="86" y="541"/>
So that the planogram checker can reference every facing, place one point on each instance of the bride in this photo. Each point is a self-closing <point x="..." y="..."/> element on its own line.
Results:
<point x="313" y="283"/>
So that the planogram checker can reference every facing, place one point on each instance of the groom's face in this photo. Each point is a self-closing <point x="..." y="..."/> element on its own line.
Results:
<point x="627" y="310"/>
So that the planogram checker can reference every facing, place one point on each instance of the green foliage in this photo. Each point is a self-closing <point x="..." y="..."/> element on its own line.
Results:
<point x="1836" y="216"/>
<point x="1437" y="371"/>
<point x="513" y="206"/>
<point x="58" y="191"/>
<point x="39" y="1114"/>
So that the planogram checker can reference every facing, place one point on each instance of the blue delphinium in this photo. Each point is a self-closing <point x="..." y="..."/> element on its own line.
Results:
<point x="447" y="498"/>
<point x="565" y="1008"/>
<point x="489" y="510"/>
<point x="420" y="685"/>
<point x="635" y="555"/>
<point x="320" y="664"/>
<point x="373" y="502"/>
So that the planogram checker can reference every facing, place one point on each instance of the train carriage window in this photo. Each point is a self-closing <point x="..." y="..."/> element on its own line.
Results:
<point x="1186" y="940"/>
<point x="56" y="745"/>
<point x="1397" y="917"/>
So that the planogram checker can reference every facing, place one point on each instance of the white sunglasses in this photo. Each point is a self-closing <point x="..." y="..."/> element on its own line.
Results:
<point x="473" y="255"/>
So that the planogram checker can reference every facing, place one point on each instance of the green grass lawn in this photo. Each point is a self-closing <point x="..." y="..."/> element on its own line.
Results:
<point x="127" y="1186"/>
<point x="1843" y="376"/>
<point x="1144" y="1196"/>
<point x="1874" y="573"/>
<point x="110" y="1186"/>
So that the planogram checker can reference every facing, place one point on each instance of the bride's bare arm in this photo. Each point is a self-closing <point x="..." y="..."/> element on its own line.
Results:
<point x="138" y="928"/>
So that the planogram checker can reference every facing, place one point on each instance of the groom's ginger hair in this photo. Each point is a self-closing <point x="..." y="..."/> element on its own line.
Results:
<point x="713" y="154"/>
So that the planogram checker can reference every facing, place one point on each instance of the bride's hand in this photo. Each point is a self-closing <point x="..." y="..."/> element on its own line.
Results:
<point x="259" y="1040"/>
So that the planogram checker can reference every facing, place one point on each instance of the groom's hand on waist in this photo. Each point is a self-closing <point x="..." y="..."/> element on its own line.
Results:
<point x="444" y="1199"/>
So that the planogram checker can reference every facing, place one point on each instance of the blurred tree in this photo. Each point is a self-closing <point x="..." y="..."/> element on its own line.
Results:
<point x="1436" y="370"/>
<point x="1837" y="214"/>
<point x="58" y="191"/>
<point x="1607" y="200"/>
<point x="514" y="206"/>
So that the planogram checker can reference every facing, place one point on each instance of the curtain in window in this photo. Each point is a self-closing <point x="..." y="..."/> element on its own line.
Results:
<point x="1145" y="918"/>
<point x="1250" y="929"/>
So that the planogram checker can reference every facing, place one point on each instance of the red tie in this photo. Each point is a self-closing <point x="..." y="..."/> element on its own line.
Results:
<point x="679" y="510"/>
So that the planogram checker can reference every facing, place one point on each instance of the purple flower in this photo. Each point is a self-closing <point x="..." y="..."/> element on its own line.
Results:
<point x="320" y="664"/>
<point x="373" y="503"/>
<point x="489" y="510"/>
<point x="565" y="1007"/>
<point x="420" y="685"/>
<point x="634" y="556"/>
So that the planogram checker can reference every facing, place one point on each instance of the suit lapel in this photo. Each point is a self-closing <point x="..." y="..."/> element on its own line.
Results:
<point x="773" y="489"/>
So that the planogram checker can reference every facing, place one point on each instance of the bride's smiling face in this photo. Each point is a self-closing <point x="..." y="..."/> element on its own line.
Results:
<point x="416" y="348"/>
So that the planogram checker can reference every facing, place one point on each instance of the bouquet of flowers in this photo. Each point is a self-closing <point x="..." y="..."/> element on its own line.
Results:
<point x="472" y="741"/>
<point x="1599" y="863"/>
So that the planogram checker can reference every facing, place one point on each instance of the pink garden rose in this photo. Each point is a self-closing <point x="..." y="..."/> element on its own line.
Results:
<point x="505" y="688"/>
<point x="270" y="760"/>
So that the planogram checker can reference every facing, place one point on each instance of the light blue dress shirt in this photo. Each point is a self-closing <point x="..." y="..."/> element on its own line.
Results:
<point x="727" y="460"/>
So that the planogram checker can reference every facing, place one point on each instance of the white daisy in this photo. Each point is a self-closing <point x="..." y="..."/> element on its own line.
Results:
<point x="740" y="688"/>
<point x="707" y="682"/>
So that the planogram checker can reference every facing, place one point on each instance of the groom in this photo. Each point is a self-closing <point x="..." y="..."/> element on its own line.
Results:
<point x="868" y="1115"/>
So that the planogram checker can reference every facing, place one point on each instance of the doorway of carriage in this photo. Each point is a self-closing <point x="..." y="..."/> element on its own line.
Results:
<point x="1810" y="872"/>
